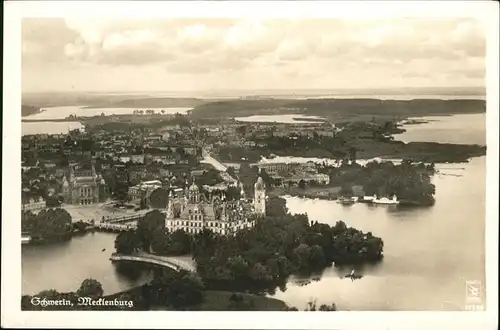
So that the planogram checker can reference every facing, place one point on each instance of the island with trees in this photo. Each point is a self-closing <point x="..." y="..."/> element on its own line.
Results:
<point x="27" y="110"/>
<point x="48" y="225"/>
<point x="233" y="272"/>
<point x="358" y="139"/>
<point x="260" y="259"/>
<point x="339" y="109"/>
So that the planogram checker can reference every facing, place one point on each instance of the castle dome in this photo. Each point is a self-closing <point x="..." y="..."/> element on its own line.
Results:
<point x="259" y="185"/>
<point x="193" y="187"/>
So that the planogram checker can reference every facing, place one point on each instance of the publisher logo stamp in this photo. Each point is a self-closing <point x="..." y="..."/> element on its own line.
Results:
<point x="473" y="296"/>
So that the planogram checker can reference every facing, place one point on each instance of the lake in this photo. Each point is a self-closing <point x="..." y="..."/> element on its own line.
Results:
<point x="64" y="265"/>
<point x="47" y="127"/>
<point x="465" y="129"/>
<point x="65" y="111"/>
<point x="286" y="119"/>
<point x="429" y="252"/>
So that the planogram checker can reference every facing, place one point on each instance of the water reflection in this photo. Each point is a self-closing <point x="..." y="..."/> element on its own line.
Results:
<point x="429" y="252"/>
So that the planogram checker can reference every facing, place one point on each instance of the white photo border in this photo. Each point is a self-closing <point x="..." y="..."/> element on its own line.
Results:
<point x="486" y="11"/>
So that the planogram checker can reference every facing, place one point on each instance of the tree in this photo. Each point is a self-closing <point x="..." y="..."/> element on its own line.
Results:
<point x="152" y="221"/>
<point x="121" y="192"/>
<point x="52" y="201"/>
<point x="258" y="272"/>
<point x="231" y="171"/>
<point x="90" y="288"/>
<point x="204" y="243"/>
<point x="276" y="207"/>
<point x="181" y="242"/>
<point x="160" y="242"/>
<point x="316" y="257"/>
<point x="311" y="307"/>
<point x="346" y="191"/>
<point x="127" y="242"/>
<point x="238" y="303"/>
<point x="159" y="198"/>
<point x="177" y="289"/>
<point x="328" y="308"/>
<point x="48" y="224"/>
<point x="233" y="193"/>
<point x="238" y="267"/>
<point x="301" y="256"/>
<point x="302" y="184"/>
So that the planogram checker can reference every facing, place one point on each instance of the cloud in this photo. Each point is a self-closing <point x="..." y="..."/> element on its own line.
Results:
<point x="44" y="39"/>
<point x="322" y="50"/>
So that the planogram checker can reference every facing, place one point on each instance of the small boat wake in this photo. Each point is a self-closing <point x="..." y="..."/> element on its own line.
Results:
<point x="353" y="276"/>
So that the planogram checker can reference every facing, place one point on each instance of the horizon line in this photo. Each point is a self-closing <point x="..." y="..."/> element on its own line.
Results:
<point x="475" y="88"/>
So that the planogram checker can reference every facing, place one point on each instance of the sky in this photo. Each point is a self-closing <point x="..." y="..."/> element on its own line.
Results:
<point x="219" y="54"/>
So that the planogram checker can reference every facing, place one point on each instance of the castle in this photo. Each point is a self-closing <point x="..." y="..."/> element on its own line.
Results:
<point x="194" y="212"/>
<point x="84" y="186"/>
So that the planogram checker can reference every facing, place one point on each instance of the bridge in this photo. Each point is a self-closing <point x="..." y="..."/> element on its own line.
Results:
<point x="175" y="263"/>
<point x="115" y="227"/>
<point x="129" y="218"/>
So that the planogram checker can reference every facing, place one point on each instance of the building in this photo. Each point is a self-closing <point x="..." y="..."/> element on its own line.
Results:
<point x="194" y="212"/>
<point x="34" y="205"/>
<point x="144" y="189"/>
<point x="272" y="168"/>
<point x="319" y="178"/>
<point x="153" y="138"/>
<point x="84" y="185"/>
<point x="137" y="158"/>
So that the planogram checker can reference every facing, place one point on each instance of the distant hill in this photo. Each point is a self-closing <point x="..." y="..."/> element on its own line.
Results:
<point x="27" y="110"/>
<point x="161" y="102"/>
<point x="93" y="100"/>
<point x="339" y="108"/>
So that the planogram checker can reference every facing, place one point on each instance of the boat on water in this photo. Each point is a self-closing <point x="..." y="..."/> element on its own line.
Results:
<point x="385" y="200"/>
<point x="25" y="239"/>
<point x="347" y="200"/>
<point x="366" y="199"/>
<point x="353" y="276"/>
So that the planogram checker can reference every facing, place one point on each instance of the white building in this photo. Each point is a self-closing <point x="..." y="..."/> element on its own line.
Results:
<point x="195" y="212"/>
<point x="143" y="189"/>
<point x="35" y="205"/>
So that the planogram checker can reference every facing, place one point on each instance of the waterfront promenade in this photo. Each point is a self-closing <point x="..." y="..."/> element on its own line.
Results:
<point x="101" y="212"/>
<point x="175" y="263"/>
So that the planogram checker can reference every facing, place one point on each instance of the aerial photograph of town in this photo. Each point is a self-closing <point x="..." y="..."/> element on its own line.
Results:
<point x="253" y="164"/>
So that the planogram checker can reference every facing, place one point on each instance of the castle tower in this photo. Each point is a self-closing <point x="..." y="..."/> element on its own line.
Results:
<point x="259" y="201"/>
<point x="65" y="190"/>
<point x="242" y="192"/>
<point x="194" y="193"/>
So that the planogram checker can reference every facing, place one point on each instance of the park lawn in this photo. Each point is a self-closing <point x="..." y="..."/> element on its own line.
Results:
<point x="219" y="301"/>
